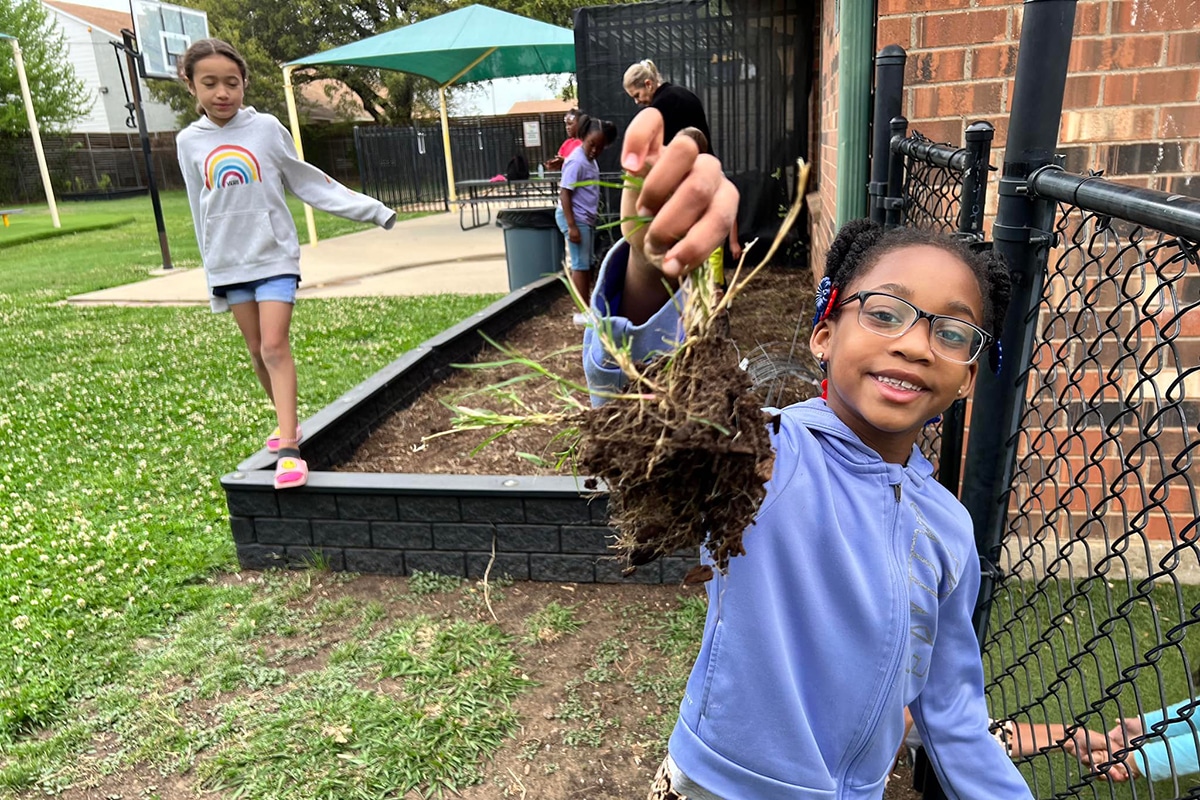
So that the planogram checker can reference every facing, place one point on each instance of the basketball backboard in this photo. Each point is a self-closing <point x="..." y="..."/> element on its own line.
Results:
<point x="164" y="32"/>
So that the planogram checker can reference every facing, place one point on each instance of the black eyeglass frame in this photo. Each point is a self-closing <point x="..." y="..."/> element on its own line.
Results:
<point x="984" y="342"/>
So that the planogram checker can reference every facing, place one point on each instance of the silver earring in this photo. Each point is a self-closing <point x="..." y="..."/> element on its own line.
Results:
<point x="959" y="392"/>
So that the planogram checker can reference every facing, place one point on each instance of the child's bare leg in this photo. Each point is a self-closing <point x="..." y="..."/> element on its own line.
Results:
<point x="580" y="280"/>
<point x="275" y="321"/>
<point x="246" y="317"/>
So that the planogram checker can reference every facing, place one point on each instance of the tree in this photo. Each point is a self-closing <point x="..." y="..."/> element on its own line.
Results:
<point x="59" y="97"/>
<point x="270" y="33"/>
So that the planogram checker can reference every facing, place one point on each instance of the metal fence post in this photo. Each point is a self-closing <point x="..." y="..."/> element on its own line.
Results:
<point x="889" y="96"/>
<point x="894" y="203"/>
<point x="1021" y="235"/>
<point x="974" y="186"/>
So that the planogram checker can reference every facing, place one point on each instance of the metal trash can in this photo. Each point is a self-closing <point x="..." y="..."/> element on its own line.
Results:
<point x="533" y="244"/>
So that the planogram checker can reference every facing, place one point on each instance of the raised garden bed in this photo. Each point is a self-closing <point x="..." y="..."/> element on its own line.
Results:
<point x="542" y="526"/>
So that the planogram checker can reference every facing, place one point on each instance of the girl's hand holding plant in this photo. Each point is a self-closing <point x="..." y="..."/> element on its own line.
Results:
<point x="682" y="211"/>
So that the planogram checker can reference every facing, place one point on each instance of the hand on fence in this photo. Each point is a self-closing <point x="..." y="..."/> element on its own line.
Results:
<point x="1095" y="750"/>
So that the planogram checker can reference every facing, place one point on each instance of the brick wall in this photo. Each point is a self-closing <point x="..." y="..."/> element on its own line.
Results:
<point x="1132" y="100"/>
<point x="822" y="203"/>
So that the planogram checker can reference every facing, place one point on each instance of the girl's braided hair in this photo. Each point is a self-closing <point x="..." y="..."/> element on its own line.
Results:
<point x="587" y="125"/>
<point x="860" y="244"/>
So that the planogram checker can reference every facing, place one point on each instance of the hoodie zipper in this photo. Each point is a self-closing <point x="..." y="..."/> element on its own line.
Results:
<point x="893" y="664"/>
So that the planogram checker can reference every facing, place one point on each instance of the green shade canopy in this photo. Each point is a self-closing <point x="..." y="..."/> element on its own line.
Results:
<point x="442" y="47"/>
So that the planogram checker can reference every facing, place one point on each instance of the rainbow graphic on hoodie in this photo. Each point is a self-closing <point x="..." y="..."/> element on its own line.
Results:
<point x="230" y="165"/>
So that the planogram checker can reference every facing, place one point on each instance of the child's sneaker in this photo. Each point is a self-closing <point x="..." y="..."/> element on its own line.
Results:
<point x="273" y="440"/>
<point x="290" y="471"/>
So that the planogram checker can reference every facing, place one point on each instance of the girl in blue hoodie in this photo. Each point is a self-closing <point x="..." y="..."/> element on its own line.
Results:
<point x="236" y="164"/>
<point x="854" y="597"/>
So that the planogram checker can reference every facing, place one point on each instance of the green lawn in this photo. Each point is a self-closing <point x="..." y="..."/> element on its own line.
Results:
<point x="115" y="424"/>
<point x="36" y="224"/>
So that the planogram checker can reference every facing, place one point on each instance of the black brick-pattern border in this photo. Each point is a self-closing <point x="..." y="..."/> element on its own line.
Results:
<point x="543" y="529"/>
<point x="545" y="532"/>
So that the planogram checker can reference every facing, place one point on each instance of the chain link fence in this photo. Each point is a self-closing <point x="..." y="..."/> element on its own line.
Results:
<point x="1080" y="471"/>
<point x="1096" y="594"/>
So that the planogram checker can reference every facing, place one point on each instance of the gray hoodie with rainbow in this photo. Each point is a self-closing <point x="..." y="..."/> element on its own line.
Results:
<point x="235" y="178"/>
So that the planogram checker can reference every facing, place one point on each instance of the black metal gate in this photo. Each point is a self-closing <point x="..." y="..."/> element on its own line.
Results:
<point x="749" y="62"/>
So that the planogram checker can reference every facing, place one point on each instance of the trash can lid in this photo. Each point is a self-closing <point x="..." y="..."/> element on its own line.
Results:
<point x="526" y="218"/>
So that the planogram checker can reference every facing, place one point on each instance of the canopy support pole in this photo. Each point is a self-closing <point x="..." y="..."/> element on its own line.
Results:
<point x="446" y="125"/>
<point x="33" y="131"/>
<point x="289" y="94"/>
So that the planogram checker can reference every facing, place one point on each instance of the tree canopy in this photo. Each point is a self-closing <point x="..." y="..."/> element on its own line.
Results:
<point x="269" y="33"/>
<point x="59" y="97"/>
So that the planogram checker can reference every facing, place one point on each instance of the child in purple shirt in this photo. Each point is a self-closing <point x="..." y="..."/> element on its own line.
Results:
<point x="579" y="198"/>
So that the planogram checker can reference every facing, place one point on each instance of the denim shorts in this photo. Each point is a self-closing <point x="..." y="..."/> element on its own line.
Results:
<point x="280" y="288"/>
<point x="579" y="256"/>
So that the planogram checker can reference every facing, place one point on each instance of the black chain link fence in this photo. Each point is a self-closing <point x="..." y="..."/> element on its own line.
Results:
<point x="1093" y="581"/>
<point x="1092" y="608"/>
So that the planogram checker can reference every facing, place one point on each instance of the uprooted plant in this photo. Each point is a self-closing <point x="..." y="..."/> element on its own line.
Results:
<point x="683" y="450"/>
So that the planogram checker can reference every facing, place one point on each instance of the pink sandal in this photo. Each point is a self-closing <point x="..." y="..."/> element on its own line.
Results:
<point x="274" y="439"/>
<point x="290" y="472"/>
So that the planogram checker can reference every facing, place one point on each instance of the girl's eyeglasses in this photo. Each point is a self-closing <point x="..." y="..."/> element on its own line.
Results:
<point x="951" y="338"/>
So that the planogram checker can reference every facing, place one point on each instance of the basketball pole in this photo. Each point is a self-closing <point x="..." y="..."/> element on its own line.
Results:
<point x="136" y="69"/>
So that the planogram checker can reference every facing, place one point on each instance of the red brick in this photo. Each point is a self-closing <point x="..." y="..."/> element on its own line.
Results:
<point x="1091" y="18"/>
<point x="1119" y="52"/>
<point x="890" y="7"/>
<point x="944" y="30"/>
<point x="1083" y="91"/>
<point x="1107" y="125"/>
<point x="1183" y="49"/>
<point x="943" y="131"/>
<point x="935" y="66"/>
<point x="1151" y="88"/>
<point x="966" y="99"/>
<point x="1178" y="121"/>
<point x="994" y="61"/>
<point x="1133" y="16"/>
<point x="894" y="30"/>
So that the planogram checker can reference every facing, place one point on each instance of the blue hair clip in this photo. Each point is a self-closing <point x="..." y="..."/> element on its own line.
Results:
<point x="826" y="294"/>
<point x="996" y="357"/>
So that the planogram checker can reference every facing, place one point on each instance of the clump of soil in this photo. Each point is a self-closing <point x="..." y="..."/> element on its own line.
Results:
<point x="688" y="466"/>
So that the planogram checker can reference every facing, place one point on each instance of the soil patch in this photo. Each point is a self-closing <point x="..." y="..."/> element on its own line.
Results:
<point x="764" y="320"/>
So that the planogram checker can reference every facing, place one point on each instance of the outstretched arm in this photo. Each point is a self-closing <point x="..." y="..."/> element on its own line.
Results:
<point x="321" y="191"/>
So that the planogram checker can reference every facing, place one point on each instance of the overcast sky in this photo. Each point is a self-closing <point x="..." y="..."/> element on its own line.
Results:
<point x="494" y="98"/>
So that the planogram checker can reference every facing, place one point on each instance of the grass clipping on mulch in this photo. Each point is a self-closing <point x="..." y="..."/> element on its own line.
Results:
<point x="683" y="450"/>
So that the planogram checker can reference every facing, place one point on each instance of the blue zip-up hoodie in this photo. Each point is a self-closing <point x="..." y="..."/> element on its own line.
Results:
<point x="853" y="600"/>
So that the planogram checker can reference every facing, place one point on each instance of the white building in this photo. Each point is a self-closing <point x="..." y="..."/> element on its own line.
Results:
<point x="88" y="31"/>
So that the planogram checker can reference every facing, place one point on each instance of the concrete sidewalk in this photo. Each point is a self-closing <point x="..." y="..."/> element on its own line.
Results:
<point x="428" y="255"/>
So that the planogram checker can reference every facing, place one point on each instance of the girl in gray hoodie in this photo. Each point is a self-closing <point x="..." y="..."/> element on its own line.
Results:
<point x="236" y="164"/>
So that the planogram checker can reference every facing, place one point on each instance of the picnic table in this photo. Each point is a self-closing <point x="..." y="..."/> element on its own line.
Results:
<point x="481" y="194"/>
<point x="4" y="213"/>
